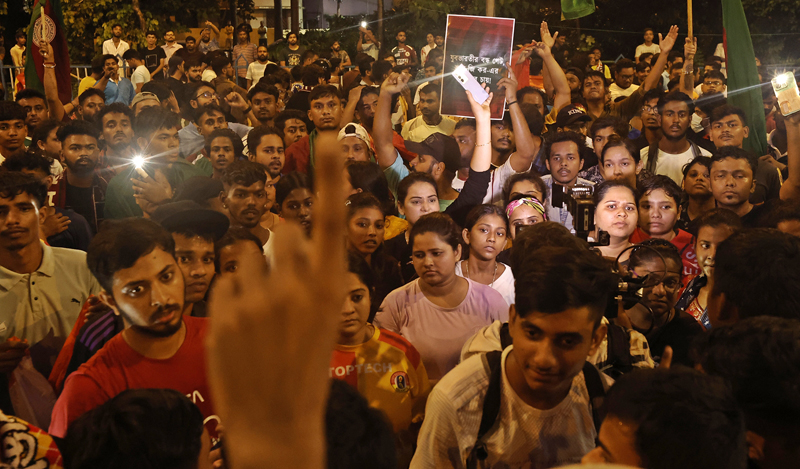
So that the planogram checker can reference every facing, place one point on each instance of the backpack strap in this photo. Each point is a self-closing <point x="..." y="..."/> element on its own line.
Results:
<point x="597" y="393"/>
<point x="505" y="336"/>
<point x="652" y="157"/>
<point x="491" y="407"/>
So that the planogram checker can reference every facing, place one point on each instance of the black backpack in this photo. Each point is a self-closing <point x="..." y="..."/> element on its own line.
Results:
<point x="491" y="403"/>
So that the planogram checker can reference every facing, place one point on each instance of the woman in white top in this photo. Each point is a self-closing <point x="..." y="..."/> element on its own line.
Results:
<point x="616" y="213"/>
<point x="439" y="311"/>
<point x="485" y="232"/>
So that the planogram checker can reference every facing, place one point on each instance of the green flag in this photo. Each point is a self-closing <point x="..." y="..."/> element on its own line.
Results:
<point x="744" y="89"/>
<point x="574" y="9"/>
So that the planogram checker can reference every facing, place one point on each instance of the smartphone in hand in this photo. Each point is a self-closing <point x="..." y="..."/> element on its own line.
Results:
<point x="469" y="83"/>
<point x="785" y="87"/>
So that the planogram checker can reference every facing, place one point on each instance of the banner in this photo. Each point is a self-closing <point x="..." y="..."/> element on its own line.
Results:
<point x="483" y="45"/>
<point x="49" y="26"/>
<point x="744" y="88"/>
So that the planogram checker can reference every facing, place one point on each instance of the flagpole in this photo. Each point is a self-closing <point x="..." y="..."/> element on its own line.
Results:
<point x="689" y="17"/>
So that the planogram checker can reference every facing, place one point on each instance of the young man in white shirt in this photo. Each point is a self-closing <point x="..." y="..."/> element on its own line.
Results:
<point x="674" y="150"/>
<point x="648" y="45"/>
<point x="624" y="72"/>
<point x="140" y="74"/>
<point x="115" y="46"/>
<point x="542" y="388"/>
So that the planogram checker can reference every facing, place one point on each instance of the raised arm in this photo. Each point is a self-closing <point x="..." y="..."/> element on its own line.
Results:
<point x="791" y="186"/>
<point x="527" y="147"/>
<point x="666" y="44"/>
<point x="482" y="156"/>
<point x="213" y="28"/>
<point x="352" y="102"/>
<point x="563" y="96"/>
<point x="687" y="78"/>
<point x="382" y="127"/>
<point x="50" y="83"/>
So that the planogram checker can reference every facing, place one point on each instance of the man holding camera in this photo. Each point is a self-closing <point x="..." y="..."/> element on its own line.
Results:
<point x="564" y="161"/>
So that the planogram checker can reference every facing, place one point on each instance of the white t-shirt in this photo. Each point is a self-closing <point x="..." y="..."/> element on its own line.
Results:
<point x="652" y="48"/>
<point x="672" y="165"/>
<point x="423" y="55"/>
<point x="616" y="91"/>
<point x="140" y="75"/>
<point x="504" y="284"/>
<point x="117" y="50"/>
<point x="208" y="74"/>
<point x="256" y="70"/>
<point x="439" y="333"/>
<point x="522" y="437"/>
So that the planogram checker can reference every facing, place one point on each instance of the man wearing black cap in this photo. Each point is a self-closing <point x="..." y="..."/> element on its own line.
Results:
<point x="573" y="118"/>
<point x="194" y="230"/>
<point x="439" y="156"/>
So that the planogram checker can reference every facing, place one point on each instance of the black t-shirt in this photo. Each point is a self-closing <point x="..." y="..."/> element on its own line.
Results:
<point x="80" y="199"/>
<point x="77" y="235"/>
<point x="291" y="57"/>
<point x="755" y="218"/>
<point x="152" y="59"/>
<point x="678" y="333"/>
<point x="187" y="56"/>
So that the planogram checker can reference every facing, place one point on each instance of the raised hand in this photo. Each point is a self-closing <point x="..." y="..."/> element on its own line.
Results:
<point x="541" y="49"/>
<point x="155" y="190"/>
<point x="690" y="48"/>
<point x="509" y="85"/>
<point x="395" y="82"/>
<point x="527" y="50"/>
<point x="482" y="110"/>
<point x="667" y="43"/>
<point x="282" y="323"/>
<point x="547" y="38"/>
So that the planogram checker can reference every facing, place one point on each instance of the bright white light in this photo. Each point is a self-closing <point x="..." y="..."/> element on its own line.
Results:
<point x="782" y="79"/>
<point x="363" y="24"/>
<point x="138" y="161"/>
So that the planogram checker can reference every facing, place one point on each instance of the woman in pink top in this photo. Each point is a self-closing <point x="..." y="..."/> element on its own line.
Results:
<point x="439" y="311"/>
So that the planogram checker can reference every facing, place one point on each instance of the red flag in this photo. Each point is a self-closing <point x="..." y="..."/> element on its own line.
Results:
<point x="48" y="24"/>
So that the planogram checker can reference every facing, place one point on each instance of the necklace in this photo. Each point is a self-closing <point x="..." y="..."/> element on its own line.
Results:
<point x="494" y="276"/>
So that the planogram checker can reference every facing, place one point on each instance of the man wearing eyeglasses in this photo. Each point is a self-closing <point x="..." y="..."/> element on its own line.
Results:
<point x="656" y="317"/>
<point x="651" y="125"/>
<point x="200" y="94"/>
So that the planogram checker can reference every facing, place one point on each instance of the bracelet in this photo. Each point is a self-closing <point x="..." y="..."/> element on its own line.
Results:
<point x="688" y="72"/>
<point x="512" y="102"/>
<point x="53" y="65"/>
<point x="484" y="144"/>
<point x="249" y="108"/>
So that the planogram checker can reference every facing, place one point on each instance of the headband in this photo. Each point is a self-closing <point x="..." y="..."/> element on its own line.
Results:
<point x="530" y="202"/>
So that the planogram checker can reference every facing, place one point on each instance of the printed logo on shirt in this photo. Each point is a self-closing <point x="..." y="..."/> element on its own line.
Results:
<point x="340" y="371"/>
<point x="399" y="381"/>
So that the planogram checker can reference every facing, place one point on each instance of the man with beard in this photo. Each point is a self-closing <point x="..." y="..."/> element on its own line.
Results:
<point x="663" y="324"/>
<point x="199" y="95"/>
<point x="83" y="188"/>
<point x="325" y="113"/>
<point x="267" y="149"/>
<point x="245" y="197"/>
<point x="207" y="44"/>
<point x="133" y="191"/>
<point x="651" y="127"/>
<point x="43" y="287"/>
<point x="624" y="71"/>
<point x="290" y="56"/>
<point x="669" y="155"/>
<point x="190" y="52"/>
<point x="733" y="183"/>
<point x="430" y="121"/>
<point x="193" y="70"/>
<point x="729" y="128"/>
<point x="35" y="106"/>
<point x="338" y="53"/>
<point x="263" y="100"/>
<point x="256" y="68"/>
<point x="90" y="102"/>
<point x="363" y="101"/>
<point x="134" y="261"/>
<point x="115" y="123"/>
<point x="115" y="46"/>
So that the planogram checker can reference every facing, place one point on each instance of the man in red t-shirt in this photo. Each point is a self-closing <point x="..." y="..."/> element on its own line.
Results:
<point x="133" y="260"/>
<point x="404" y="54"/>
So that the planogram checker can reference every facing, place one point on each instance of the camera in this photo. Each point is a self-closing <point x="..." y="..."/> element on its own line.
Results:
<point x="578" y="200"/>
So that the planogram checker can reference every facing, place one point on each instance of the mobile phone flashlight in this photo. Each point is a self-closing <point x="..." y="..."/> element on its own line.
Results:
<point x="782" y="79"/>
<point x="363" y="24"/>
<point x="138" y="161"/>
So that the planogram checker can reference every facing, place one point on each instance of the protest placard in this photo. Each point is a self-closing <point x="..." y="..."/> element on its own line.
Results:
<point x="484" y="46"/>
